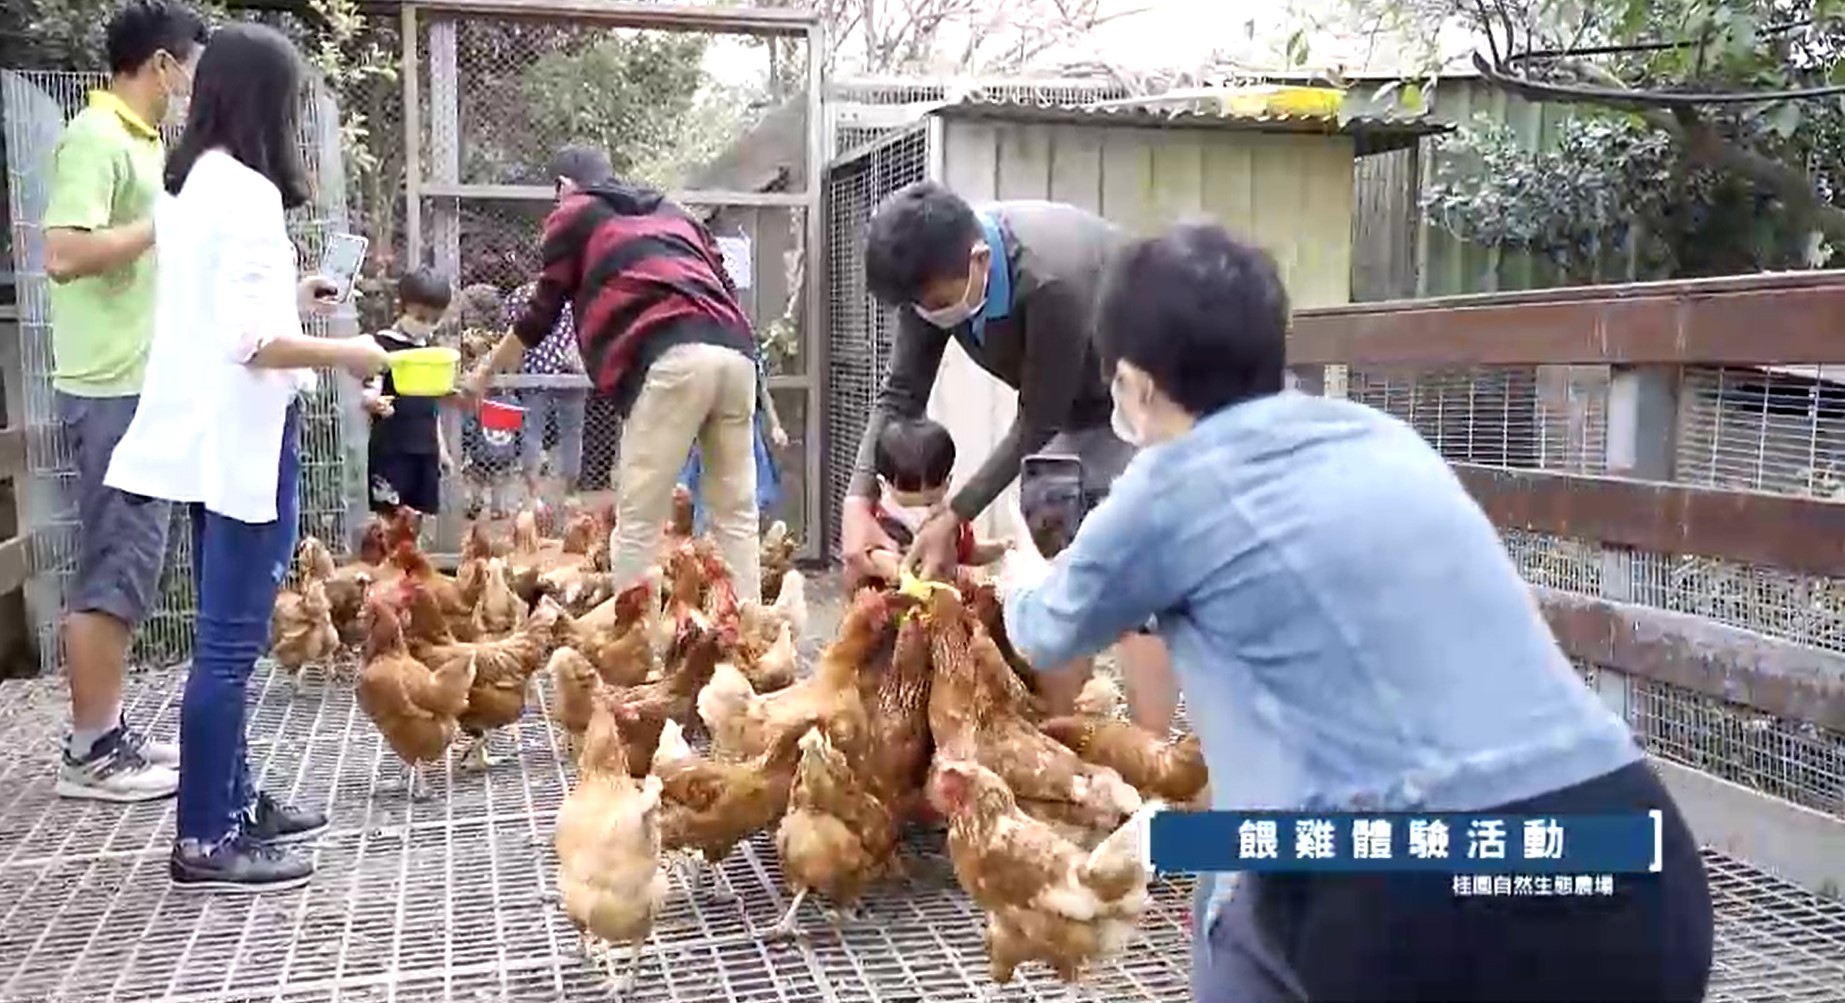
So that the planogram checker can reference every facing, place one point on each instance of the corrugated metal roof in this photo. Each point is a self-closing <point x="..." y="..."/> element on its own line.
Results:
<point x="1374" y="135"/>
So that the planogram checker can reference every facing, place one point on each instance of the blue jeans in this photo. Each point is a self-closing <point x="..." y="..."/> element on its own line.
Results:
<point x="768" y="478"/>
<point x="542" y="408"/>
<point x="238" y="567"/>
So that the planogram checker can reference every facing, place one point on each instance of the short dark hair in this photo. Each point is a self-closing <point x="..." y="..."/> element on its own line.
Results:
<point x="920" y="235"/>
<point x="143" y="27"/>
<point x="246" y="99"/>
<point x="586" y="165"/>
<point x="424" y="287"/>
<point x="1203" y="313"/>
<point x="914" y="454"/>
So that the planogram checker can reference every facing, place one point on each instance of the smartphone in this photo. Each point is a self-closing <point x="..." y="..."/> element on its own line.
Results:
<point x="340" y="262"/>
<point x="1051" y="499"/>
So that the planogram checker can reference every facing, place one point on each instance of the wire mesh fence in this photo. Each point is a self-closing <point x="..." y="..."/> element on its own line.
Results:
<point x="1547" y="417"/>
<point x="1766" y="429"/>
<point x="859" y="331"/>
<point x="36" y="106"/>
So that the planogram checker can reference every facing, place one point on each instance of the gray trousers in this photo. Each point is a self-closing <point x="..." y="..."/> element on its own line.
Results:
<point x="1230" y="961"/>
<point x="121" y="538"/>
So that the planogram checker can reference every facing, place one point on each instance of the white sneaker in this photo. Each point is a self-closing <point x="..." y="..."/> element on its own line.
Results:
<point x="115" y="770"/>
<point x="155" y="752"/>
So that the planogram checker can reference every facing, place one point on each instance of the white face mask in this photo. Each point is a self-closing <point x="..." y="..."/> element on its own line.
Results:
<point x="1118" y="420"/>
<point x="911" y="516"/>
<point x="954" y="315"/>
<point x="414" y="327"/>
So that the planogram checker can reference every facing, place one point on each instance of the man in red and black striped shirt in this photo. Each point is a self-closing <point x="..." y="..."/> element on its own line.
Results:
<point x="662" y="334"/>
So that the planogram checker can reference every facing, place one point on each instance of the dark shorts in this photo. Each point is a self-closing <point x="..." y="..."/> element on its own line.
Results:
<point x="413" y="479"/>
<point x="121" y="538"/>
<point x="1284" y="938"/>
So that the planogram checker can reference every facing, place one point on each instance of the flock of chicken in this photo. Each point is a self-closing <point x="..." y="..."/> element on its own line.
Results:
<point x="918" y="711"/>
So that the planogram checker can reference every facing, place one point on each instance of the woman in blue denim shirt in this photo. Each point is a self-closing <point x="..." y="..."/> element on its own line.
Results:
<point x="769" y="437"/>
<point x="1349" y="634"/>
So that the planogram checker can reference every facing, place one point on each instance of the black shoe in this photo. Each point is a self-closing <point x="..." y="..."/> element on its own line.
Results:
<point x="271" y="821"/>
<point x="238" y="866"/>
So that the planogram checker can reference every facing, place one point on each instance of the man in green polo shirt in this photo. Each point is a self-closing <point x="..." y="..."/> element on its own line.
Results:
<point x="99" y="235"/>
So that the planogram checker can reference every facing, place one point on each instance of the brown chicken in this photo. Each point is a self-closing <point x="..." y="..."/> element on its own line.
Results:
<point x="457" y="613"/>
<point x="837" y="836"/>
<point x="622" y="651"/>
<point x="778" y="547"/>
<point x="744" y="723"/>
<point x="709" y="805"/>
<point x="496" y="609"/>
<point x="471" y="570"/>
<point x="503" y="668"/>
<point x="1172" y="771"/>
<point x="346" y="585"/>
<point x="414" y="708"/>
<point x="976" y="714"/>
<point x="983" y="602"/>
<point x="577" y="685"/>
<point x="897" y="761"/>
<point x="1046" y="900"/>
<point x="672" y="697"/>
<point x="608" y="846"/>
<point x="301" y="624"/>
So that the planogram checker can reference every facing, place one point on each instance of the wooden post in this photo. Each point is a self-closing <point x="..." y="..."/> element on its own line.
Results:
<point x="413" y="144"/>
<point x="1641" y="439"/>
<point x="813" y="290"/>
<point x="445" y="224"/>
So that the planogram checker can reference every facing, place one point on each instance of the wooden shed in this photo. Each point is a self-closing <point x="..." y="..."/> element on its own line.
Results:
<point x="1287" y="183"/>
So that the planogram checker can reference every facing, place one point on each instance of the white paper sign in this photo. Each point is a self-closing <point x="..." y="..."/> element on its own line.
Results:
<point x="736" y="251"/>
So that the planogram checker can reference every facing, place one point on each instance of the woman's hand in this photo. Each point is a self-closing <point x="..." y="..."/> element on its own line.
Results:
<point x="315" y="296"/>
<point x="362" y="356"/>
<point x="778" y="437"/>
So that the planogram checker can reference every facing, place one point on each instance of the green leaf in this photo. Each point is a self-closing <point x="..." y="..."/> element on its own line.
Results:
<point x="1784" y="118"/>
<point x="1297" y="47"/>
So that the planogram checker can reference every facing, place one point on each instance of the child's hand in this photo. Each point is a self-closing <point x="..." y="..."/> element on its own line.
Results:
<point x="379" y="405"/>
<point x="447" y="462"/>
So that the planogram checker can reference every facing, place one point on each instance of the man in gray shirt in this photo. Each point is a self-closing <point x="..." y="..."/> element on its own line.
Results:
<point x="1014" y="284"/>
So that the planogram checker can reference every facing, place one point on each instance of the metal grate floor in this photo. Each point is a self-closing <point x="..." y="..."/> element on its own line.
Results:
<point x="446" y="900"/>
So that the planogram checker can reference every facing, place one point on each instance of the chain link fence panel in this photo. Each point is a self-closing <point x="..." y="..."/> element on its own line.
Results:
<point x="35" y="107"/>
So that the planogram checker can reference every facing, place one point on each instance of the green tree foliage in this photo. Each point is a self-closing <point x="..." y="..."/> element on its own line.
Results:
<point x="1648" y="168"/>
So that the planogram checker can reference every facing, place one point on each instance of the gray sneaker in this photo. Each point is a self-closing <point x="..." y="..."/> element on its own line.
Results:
<point x="115" y="770"/>
<point x="155" y="752"/>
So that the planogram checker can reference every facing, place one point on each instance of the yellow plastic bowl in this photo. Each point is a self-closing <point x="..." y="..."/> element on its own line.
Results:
<point x="425" y="372"/>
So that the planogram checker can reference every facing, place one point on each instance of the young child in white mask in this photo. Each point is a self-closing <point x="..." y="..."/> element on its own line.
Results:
<point x="915" y="463"/>
<point x="406" y="456"/>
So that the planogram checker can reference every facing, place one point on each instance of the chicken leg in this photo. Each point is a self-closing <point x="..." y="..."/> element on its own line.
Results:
<point x="478" y="757"/>
<point x="416" y="785"/>
<point x="785" y="928"/>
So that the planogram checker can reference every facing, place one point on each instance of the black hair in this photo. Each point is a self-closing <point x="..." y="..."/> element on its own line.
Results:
<point x="245" y="101"/>
<point x="914" y="454"/>
<point x="141" y="28"/>
<point x="585" y="165"/>
<point x="424" y="287"/>
<point x="920" y="235"/>
<point x="1204" y="314"/>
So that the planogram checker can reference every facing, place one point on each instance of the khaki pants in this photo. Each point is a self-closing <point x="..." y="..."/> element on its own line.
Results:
<point x="700" y="393"/>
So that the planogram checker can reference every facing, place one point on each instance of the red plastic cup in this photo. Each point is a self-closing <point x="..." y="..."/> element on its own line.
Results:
<point x="501" y="417"/>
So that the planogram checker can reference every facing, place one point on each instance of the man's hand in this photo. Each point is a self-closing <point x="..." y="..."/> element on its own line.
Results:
<point x="859" y="536"/>
<point x="361" y="356"/>
<point x="932" y="554"/>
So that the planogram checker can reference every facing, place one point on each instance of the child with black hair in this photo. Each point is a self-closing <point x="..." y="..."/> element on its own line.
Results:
<point x="407" y="457"/>
<point x="915" y="462"/>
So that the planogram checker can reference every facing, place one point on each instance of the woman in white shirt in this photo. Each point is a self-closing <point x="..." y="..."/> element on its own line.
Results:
<point x="217" y="428"/>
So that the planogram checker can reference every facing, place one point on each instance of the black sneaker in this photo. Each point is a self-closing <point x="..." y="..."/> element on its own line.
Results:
<point x="271" y="821"/>
<point x="238" y="866"/>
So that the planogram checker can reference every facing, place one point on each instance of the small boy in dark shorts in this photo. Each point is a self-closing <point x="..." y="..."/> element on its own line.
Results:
<point x="915" y="463"/>
<point x="407" y="457"/>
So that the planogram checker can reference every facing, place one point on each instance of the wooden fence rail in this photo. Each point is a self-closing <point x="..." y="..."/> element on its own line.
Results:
<point x="1757" y="321"/>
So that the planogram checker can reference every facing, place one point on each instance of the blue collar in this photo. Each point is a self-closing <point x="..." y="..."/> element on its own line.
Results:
<point x="999" y="279"/>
